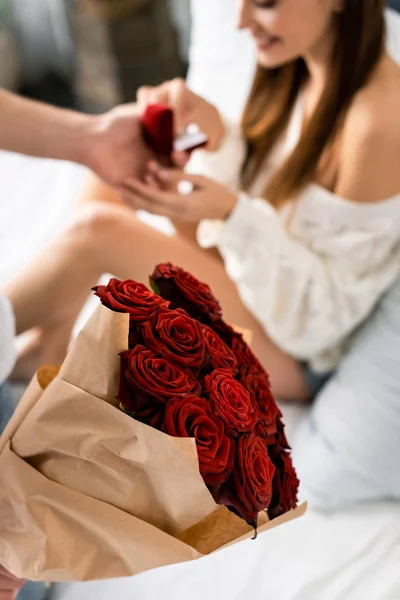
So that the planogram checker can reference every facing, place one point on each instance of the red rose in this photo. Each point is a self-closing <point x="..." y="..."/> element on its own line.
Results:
<point x="249" y="490"/>
<point x="175" y="336"/>
<point x="220" y="356"/>
<point x="257" y="384"/>
<point x="192" y="417"/>
<point x="230" y="401"/>
<point x="146" y="379"/>
<point x="244" y="355"/>
<point x="142" y="408"/>
<point x="281" y="439"/>
<point x="225" y="332"/>
<point x="129" y="297"/>
<point x="234" y="340"/>
<point x="285" y="484"/>
<point x="185" y="291"/>
<point x="135" y="335"/>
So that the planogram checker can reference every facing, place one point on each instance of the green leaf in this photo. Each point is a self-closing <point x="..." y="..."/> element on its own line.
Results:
<point x="130" y="414"/>
<point x="154" y="286"/>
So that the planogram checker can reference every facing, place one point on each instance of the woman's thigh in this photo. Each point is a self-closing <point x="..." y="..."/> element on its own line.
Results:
<point x="96" y="191"/>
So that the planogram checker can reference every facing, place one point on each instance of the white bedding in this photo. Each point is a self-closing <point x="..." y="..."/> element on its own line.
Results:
<point x="37" y="198"/>
<point x="348" y="556"/>
<point x="353" y="555"/>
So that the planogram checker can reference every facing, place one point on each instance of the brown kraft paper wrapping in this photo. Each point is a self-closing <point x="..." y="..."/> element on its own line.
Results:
<point x="87" y="492"/>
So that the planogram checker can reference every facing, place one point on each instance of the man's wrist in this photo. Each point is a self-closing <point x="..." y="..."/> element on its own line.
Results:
<point x="80" y="138"/>
<point x="95" y="137"/>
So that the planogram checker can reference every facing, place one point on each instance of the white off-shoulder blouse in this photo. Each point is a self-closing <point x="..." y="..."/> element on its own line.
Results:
<point x="311" y="279"/>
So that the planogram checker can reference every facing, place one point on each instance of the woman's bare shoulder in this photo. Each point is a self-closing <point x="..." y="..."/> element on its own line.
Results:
<point x="369" y="162"/>
<point x="376" y="107"/>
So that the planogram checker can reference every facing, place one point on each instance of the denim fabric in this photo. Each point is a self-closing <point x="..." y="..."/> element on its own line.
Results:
<point x="7" y="405"/>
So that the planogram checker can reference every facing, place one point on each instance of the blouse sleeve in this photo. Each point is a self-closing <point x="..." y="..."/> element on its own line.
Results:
<point x="223" y="166"/>
<point x="307" y="295"/>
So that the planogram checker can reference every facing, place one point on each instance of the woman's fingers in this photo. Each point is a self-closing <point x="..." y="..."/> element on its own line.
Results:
<point x="173" y="93"/>
<point x="170" y="177"/>
<point x="143" y="95"/>
<point x="180" y="159"/>
<point x="152" y="95"/>
<point x="151" y="180"/>
<point x="139" y="203"/>
<point x="180" y="102"/>
<point x="151" y="195"/>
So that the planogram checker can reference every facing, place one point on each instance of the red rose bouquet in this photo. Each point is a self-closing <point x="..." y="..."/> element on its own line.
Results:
<point x="156" y="442"/>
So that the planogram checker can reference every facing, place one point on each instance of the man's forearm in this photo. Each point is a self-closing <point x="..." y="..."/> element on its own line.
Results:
<point x="38" y="129"/>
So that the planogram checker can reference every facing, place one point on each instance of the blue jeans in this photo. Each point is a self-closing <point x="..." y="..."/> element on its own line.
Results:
<point x="32" y="590"/>
<point x="7" y="405"/>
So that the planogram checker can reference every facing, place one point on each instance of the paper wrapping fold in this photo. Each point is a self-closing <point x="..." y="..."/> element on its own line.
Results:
<point x="87" y="492"/>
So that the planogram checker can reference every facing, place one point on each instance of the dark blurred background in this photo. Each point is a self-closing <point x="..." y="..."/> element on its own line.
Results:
<point x="93" y="54"/>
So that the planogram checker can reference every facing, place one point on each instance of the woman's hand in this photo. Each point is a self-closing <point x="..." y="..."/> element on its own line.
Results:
<point x="188" y="108"/>
<point x="205" y="199"/>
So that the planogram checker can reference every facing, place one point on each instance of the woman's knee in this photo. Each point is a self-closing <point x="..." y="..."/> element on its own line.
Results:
<point x="97" y="224"/>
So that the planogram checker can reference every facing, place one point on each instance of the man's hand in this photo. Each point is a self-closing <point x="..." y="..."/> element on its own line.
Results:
<point x="109" y="144"/>
<point x="9" y="585"/>
<point x="115" y="147"/>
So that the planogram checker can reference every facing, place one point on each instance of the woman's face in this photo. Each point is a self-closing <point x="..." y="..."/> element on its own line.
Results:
<point x="285" y="30"/>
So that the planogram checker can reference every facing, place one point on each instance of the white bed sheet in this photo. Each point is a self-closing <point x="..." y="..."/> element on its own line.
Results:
<point x="348" y="556"/>
<point x="37" y="198"/>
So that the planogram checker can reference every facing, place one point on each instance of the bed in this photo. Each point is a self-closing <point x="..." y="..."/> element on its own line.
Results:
<point x="346" y="555"/>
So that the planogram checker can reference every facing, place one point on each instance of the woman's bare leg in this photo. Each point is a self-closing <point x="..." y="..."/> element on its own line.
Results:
<point x="49" y="340"/>
<point x="47" y="296"/>
<point x="110" y="239"/>
<point x="96" y="191"/>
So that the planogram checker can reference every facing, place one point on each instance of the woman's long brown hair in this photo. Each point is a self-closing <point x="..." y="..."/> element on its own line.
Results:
<point x="359" y="44"/>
